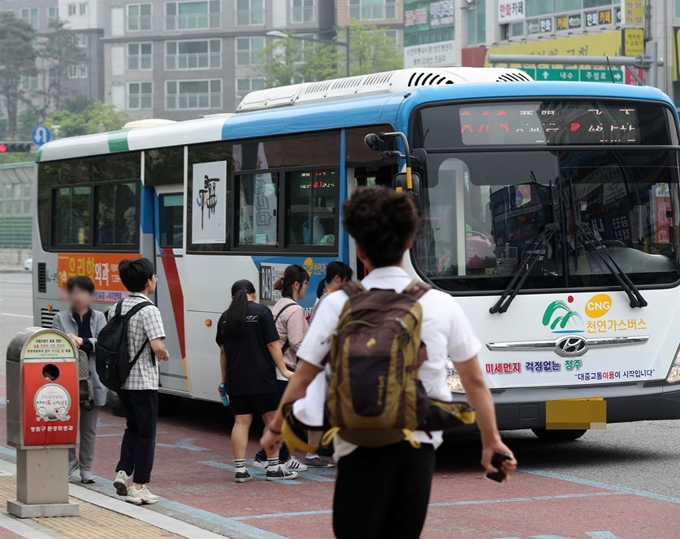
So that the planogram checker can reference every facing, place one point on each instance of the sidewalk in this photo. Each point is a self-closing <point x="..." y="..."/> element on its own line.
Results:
<point x="101" y="517"/>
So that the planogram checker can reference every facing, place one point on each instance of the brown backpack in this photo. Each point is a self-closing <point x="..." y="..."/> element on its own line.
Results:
<point x="375" y="396"/>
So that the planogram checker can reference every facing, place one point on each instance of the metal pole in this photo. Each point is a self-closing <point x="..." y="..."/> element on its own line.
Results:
<point x="348" y="71"/>
<point x="535" y="59"/>
<point x="652" y="50"/>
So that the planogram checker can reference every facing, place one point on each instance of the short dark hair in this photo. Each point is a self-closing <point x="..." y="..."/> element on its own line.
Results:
<point x="82" y="282"/>
<point x="135" y="273"/>
<point x="381" y="220"/>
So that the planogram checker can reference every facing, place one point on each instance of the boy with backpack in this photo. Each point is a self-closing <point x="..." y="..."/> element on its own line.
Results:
<point x="126" y="362"/>
<point x="370" y="335"/>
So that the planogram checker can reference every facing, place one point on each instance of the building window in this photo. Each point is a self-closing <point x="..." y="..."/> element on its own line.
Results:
<point x="249" y="12"/>
<point x="392" y="38"/>
<point x="372" y="10"/>
<point x="192" y="15"/>
<point x="140" y="95"/>
<point x="30" y="15"/>
<point x="193" y="94"/>
<point x="139" y="56"/>
<point x="517" y="29"/>
<point x="539" y="7"/>
<point x="138" y="17"/>
<point x="245" y="86"/>
<point x="206" y="54"/>
<point x="52" y="15"/>
<point x="83" y="8"/>
<point x="77" y="71"/>
<point x="677" y="8"/>
<point x="476" y="23"/>
<point x="29" y="82"/>
<point x="72" y="10"/>
<point x="249" y="51"/>
<point x="302" y="11"/>
<point x="80" y="40"/>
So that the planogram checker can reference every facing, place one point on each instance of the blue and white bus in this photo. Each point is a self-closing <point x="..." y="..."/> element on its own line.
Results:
<point x="549" y="210"/>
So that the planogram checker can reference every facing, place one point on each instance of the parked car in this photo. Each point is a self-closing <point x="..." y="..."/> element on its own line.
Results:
<point x="28" y="264"/>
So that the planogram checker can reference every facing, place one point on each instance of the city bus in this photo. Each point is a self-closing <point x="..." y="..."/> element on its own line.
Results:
<point x="548" y="210"/>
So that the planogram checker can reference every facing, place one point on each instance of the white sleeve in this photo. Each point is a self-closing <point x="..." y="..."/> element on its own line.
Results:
<point x="317" y="342"/>
<point x="462" y="342"/>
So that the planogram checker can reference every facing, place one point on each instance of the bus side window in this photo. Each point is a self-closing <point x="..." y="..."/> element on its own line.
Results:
<point x="312" y="198"/>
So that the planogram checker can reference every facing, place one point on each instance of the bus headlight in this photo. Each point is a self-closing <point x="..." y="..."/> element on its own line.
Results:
<point x="674" y="372"/>
<point x="453" y="378"/>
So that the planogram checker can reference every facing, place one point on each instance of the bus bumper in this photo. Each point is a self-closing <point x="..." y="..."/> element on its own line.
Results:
<point x="639" y="402"/>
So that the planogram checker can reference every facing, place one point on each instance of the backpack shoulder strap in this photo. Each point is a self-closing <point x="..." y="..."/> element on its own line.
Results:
<point x="417" y="289"/>
<point x="291" y="304"/>
<point x="353" y="288"/>
<point x="134" y="309"/>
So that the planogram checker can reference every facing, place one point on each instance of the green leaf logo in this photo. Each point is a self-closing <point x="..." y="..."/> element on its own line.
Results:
<point x="564" y="315"/>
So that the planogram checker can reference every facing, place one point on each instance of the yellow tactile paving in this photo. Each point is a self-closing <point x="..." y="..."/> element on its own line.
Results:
<point x="94" y="522"/>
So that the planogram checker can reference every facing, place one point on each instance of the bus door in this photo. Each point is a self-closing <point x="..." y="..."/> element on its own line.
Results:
<point x="169" y="241"/>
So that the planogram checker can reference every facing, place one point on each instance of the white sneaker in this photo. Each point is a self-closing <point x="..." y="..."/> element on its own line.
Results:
<point x="122" y="483"/>
<point x="294" y="465"/>
<point x="260" y="465"/>
<point x="140" y="496"/>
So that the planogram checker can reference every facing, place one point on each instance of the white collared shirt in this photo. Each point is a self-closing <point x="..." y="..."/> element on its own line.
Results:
<point x="446" y="332"/>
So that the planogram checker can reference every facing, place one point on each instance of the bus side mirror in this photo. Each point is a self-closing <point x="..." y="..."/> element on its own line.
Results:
<point x="400" y="183"/>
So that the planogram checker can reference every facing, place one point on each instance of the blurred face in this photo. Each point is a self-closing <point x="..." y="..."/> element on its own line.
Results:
<point x="301" y="289"/>
<point x="335" y="284"/>
<point x="152" y="283"/>
<point x="80" y="299"/>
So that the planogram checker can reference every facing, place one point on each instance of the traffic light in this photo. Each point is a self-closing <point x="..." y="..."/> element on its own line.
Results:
<point x="6" y="147"/>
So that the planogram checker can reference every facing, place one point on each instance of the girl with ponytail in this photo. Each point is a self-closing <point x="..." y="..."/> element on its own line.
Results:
<point x="250" y="355"/>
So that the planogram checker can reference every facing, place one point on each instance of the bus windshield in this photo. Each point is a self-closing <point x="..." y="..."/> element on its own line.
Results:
<point x="483" y="209"/>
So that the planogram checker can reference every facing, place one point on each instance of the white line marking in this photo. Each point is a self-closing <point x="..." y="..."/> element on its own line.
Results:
<point x="17" y="315"/>
<point x="24" y="530"/>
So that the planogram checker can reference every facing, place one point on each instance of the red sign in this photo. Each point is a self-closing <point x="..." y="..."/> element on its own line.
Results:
<point x="663" y="222"/>
<point x="630" y="79"/>
<point x="50" y="391"/>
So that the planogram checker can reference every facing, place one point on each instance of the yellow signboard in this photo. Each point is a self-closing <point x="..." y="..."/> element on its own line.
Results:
<point x="633" y="42"/>
<point x="604" y="44"/>
<point x="634" y="12"/>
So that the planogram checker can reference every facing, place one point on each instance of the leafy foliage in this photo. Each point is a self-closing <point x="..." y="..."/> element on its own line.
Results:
<point x="293" y="60"/>
<point x="17" y="58"/>
<point x="83" y="117"/>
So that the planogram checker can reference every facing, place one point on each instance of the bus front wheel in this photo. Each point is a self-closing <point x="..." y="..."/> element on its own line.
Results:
<point x="558" y="435"/>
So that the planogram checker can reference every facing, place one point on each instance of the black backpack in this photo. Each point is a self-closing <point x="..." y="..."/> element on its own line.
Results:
<point x="112" y="358"/>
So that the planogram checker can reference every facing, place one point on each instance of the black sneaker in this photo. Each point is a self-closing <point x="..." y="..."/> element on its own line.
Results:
<point x="280" y="475"/>
<point x="243" y="477"/>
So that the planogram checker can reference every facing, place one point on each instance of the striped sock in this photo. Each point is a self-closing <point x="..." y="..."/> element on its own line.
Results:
<point x="273" y="464"/>
<point x="240" y="465"/>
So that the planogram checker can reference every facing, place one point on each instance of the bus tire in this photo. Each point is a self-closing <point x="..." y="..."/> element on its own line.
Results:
<point x="114" y="404"/>
<point x="168" y="404"/>
<point x="558" y="435"/>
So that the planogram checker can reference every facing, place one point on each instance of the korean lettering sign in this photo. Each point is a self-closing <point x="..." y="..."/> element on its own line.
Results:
<point x="101" y="268"/>
<point x="510" y="11"/>
<point x="428" y="23"/>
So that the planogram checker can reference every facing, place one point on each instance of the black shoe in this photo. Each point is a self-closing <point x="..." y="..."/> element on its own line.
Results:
<point x="281" y="475"/>
<point x="243" y="477"/>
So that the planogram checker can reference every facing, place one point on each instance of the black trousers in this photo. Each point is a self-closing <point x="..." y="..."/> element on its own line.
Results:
<point x="139" y="440"/>
<point x="383" y="493"/>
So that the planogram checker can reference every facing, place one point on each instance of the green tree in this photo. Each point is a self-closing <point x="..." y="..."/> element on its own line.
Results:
<point x="17" y="58"/>
<point x="290" y="60"/>
<point x="57" y="53"/>
<point x="76" y="119"/>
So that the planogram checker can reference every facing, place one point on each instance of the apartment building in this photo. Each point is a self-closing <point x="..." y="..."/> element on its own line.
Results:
<point x="182" y="59"/>
<point x="387" y="14"/>
<point x="81" y="16"/>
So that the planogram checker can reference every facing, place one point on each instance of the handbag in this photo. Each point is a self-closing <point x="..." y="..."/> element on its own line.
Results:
<point x="85" y="388"/>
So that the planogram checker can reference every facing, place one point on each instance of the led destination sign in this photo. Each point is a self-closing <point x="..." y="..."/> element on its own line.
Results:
<point x="552" y="123"/>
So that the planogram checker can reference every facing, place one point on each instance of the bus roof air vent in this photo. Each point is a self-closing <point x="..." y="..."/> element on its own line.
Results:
<point x="389" y="82"/>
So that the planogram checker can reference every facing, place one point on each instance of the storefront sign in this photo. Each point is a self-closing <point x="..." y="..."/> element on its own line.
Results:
<point x="510" y="11"/>
<point x="429" y="33"/>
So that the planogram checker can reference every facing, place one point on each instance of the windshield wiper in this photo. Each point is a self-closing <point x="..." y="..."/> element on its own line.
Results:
<point x="591" y="240"/>
<point x="538" y="246"/>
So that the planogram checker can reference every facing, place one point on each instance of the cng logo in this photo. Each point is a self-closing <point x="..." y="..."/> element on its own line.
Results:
<point x="598" y="305"/>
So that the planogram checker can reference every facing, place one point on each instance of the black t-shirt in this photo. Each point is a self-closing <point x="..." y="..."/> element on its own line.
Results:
<point x="250" y="367"/>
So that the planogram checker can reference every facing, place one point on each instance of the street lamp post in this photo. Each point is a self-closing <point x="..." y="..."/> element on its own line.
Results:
<point x="276" y="33"/>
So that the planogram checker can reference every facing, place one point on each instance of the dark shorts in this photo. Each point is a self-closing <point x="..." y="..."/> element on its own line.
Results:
<point x="254" y="404"/>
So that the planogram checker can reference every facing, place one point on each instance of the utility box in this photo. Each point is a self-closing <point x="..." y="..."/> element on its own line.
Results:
<point x="42" y="419"/>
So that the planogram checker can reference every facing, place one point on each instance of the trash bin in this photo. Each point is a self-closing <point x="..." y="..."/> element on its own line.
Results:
<point x="42" y="419"/>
